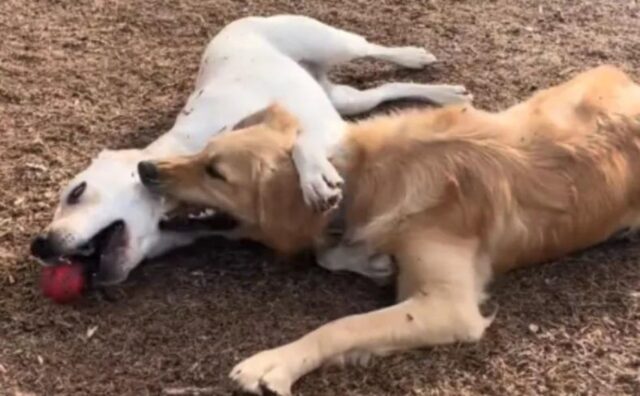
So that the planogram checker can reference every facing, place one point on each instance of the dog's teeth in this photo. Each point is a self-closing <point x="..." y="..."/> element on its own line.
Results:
<point x="87" y="250"/>
<point x="209" y="212"/>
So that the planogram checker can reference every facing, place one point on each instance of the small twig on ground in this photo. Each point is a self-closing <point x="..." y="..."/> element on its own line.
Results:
<point x="188" y="390"/>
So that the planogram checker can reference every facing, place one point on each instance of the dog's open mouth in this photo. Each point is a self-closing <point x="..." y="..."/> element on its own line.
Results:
<point x="187" y="218"/>
<point x="103" y="250"/>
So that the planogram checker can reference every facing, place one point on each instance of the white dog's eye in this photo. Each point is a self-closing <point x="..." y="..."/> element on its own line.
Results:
<point x="76" y="193"/>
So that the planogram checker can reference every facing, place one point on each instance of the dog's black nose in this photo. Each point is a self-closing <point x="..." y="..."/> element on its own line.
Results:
<point x="148" y="172"/>
<point x="42" y="247"/>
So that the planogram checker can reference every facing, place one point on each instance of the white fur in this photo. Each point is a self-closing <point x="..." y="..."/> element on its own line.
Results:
<point x="248" y="65"/>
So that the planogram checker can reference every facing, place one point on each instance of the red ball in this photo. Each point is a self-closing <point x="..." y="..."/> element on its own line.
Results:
<point x="63" y="283"/>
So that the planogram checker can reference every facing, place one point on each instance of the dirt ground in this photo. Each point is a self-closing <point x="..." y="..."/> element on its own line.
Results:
<point x="79" y="76"/>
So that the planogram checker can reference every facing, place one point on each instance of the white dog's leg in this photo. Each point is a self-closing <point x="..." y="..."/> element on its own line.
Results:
<point x="308" y="40"/>
<point x="346" y="46"/>
<point x="359" y="259"/>
<point x="320" y="181"/>
<point x="351" y="101"/>
<point x="319" y="47"/>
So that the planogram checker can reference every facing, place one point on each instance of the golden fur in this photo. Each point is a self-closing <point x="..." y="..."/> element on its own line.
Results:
<point x="453" y="194"/>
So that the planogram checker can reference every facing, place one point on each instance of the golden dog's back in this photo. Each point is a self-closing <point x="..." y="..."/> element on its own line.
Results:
<point x="546" y="177"/>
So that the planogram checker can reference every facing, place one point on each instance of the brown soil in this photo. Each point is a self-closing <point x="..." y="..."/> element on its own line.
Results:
<point x="79" y="76"/>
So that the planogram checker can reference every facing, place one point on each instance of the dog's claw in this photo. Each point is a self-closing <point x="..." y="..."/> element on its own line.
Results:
<point x="333" y="200"/>
<point x="332" y="182"/>
<point x="413" y="57"/>
<point x="452" y="94"/>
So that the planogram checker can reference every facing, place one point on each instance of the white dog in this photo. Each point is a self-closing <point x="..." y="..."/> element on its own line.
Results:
<point x="106" y="215"/>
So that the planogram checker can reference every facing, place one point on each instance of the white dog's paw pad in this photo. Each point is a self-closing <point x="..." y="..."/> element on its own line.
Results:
<point x="414" y="57"/>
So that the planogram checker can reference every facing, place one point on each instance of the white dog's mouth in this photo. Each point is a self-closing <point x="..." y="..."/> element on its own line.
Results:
<point x="102" y="254"/>
<point x="197" y="218"/>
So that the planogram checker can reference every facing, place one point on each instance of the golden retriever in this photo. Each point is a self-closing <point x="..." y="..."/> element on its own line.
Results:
<point x="453" y="194"/>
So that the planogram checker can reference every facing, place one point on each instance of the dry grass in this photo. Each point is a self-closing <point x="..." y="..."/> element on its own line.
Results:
<point x="78" y="76"/>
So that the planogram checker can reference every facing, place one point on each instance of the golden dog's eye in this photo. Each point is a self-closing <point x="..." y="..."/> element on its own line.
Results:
<point x="76" y="193"/>
<point x="213" y="172"/>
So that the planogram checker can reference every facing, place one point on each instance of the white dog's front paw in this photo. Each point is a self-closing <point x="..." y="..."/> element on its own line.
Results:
<point x="266" y="371"/>
<point x="382" y="269"/>
<point x="321" y="185"/>
<point x="414" y="57"/>
<point x="451" y="94"/>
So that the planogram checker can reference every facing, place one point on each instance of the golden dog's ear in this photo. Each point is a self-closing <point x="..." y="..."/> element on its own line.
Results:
<point x="252" y="119"/>
<point x="273" y="116"/>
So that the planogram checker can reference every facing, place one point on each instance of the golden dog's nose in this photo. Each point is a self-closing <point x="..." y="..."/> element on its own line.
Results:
<point x="148" y="173"/>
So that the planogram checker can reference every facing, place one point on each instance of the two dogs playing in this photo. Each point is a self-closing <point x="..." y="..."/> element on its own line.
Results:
<point x="108" y="221"/>
<point x="440" y="199"/>
<point x="452" y="194"/>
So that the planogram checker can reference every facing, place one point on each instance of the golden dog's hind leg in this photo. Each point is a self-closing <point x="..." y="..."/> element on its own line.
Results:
<point x="443" y="309"/>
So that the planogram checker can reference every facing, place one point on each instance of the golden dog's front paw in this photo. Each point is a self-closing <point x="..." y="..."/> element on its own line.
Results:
<point x="265" y="372"/>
